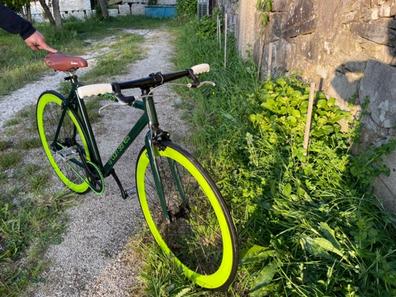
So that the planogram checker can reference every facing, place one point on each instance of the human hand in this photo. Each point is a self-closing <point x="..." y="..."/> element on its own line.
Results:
<point x="36" y="41"/>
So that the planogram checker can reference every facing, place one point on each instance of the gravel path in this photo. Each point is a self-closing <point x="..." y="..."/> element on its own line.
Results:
<point x="27" y="95"/>
<point x="93" y="258"/>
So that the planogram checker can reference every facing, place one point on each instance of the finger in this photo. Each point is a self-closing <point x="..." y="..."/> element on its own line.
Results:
<point x="33" y="46"/>
<point x="47" y="48"/>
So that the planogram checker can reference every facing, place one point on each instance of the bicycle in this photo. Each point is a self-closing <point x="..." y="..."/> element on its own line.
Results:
<point x="181" y="204"/>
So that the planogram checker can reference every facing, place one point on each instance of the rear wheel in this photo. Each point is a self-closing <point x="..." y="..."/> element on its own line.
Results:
<point x="68" y="152"/>
<point x="199" y="235"/>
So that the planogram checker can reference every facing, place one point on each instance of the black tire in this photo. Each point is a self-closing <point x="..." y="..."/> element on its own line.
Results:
<point x="71" y="136"/>
<point x="200" y="235"/>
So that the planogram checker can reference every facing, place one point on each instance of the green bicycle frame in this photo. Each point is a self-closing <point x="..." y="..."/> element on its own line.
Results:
<point x="149" y="117"/>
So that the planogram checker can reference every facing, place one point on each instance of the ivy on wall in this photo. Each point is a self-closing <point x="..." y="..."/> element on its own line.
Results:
<point x="264" y="7"/>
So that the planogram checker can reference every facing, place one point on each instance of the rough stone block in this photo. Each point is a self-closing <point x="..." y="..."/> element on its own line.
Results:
<point x="376" y="31"/>
<point x="379" y="85"/>
<point x="385" y="10"/>
<point x="78" y="14"/>
<point x="301" y="19"/>
<point x="385" y="186"/>
<point x="279" y="5"/>
<point x="73" y="5"/>
<point x="277" y="25"/>
<point x="374" y="13"/>
<point x="124" y="9"/>
<point x="167" y="2"/>
<point x="138" y="9"/>
<point x="113" y="12"/>
<point x="38" y="17"/>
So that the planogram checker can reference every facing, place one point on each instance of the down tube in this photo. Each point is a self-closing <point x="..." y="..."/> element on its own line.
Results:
<point x="126" y="142"/>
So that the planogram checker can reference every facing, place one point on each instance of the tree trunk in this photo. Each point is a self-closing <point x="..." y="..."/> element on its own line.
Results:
<point x="27" y="12"/>
<point x="57" y="15"/>
<point x="103" y="8"/>
<point x="47" y="12"/>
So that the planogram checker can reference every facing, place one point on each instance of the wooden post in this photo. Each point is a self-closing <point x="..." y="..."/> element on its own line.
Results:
<point x="309" y="118"/>
<point x="269" y="72"/>
<point x="225" y="38"/>
<point x="219" y="31"/>
<point x="260" y="61"/>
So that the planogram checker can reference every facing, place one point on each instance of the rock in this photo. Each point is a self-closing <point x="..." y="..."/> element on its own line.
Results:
<point x="385" y="10"/>
<point x="279" y="5"/>
<point x="137" y="9"/>
<point x="301" y="20"/>
<point x="385" y="186"/>
<point x="124" y="9"/>
<point x="379" y="86"/>
<point x="113" y="12"/>
<point x="377" y="31"/>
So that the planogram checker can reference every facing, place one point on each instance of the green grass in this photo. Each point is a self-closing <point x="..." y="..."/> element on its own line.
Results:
<point x="28" y="226"/>
<point x="9" y="159"/>
<point x="12" y="122"/>
<point x="19" y="64"/>
<point x="308" y="226"/>
<point x="29" y="143"/>
<point x="26" y="230"/>
<point x="38" y="181"/>
<point x="4" y="144"/>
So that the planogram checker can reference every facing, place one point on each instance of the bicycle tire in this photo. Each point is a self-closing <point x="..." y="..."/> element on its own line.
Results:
<point x="48" y="112"/>
<point x="205" y="214"/>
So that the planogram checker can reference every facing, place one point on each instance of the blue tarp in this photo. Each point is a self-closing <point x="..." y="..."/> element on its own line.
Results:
<point x="160" y="11"/>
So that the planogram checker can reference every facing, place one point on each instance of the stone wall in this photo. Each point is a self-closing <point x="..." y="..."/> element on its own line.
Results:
<point x="81" y="9"/>
<point x="350" y="44"/>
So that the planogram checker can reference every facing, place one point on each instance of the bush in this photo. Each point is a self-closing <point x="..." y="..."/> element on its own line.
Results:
<point x="186" y="7"/>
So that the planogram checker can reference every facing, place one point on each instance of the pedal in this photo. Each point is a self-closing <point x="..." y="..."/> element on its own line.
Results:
<point x="67" y="153"/>
<point x="130" y="192"/>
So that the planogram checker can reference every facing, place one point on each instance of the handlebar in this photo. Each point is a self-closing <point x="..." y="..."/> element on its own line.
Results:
<point x="145" y="84"/>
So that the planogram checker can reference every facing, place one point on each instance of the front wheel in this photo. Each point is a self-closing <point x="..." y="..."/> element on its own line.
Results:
<point x="197" y="229"/>
<point x="63" y="141"/>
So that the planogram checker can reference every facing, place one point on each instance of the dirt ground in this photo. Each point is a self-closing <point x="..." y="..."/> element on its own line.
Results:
<point x="94" y="258"/>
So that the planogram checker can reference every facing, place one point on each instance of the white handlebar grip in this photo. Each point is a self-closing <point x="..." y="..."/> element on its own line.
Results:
<point x="201" y="68"/>
<point x="94" y="90"/>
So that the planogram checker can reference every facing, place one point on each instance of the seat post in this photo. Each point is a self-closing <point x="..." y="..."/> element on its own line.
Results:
<point x="72" y="77"/>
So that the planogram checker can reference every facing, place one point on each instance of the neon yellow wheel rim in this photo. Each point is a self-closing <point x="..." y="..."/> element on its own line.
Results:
<point x="219" y="277"/>
<point x="46" y="99"/>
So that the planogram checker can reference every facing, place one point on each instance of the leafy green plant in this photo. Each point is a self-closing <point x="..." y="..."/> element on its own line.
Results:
<point x="186" y="7"/>
<point x="308" y="225"/>
<point x="206" y="27"/>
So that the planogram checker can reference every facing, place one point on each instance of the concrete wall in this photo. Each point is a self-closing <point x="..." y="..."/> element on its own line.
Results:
<point x="350" y="44"/>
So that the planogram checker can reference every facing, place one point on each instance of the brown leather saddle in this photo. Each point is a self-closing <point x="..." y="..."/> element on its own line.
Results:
<point x="61" y="62"/>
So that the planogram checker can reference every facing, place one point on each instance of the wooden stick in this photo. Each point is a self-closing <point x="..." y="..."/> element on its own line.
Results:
<point x="219" y="31"/>
<point x="269" y="72"/>
<point x="225" y="39"/>
<point x="309" y="118"/>
<point x="260" y="62"/>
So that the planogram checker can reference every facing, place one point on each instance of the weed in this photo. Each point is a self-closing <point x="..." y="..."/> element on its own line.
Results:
<point x="5" y="144"/>
<point x="29" y="143"/>
<point x="308" y="225"/>
<point x="9" y="159"/>
<point x="38" y="181"/>
<point x="12" y="122"/>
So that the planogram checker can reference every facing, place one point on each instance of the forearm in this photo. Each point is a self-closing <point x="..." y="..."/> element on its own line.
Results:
<point x="13" y="23"/>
